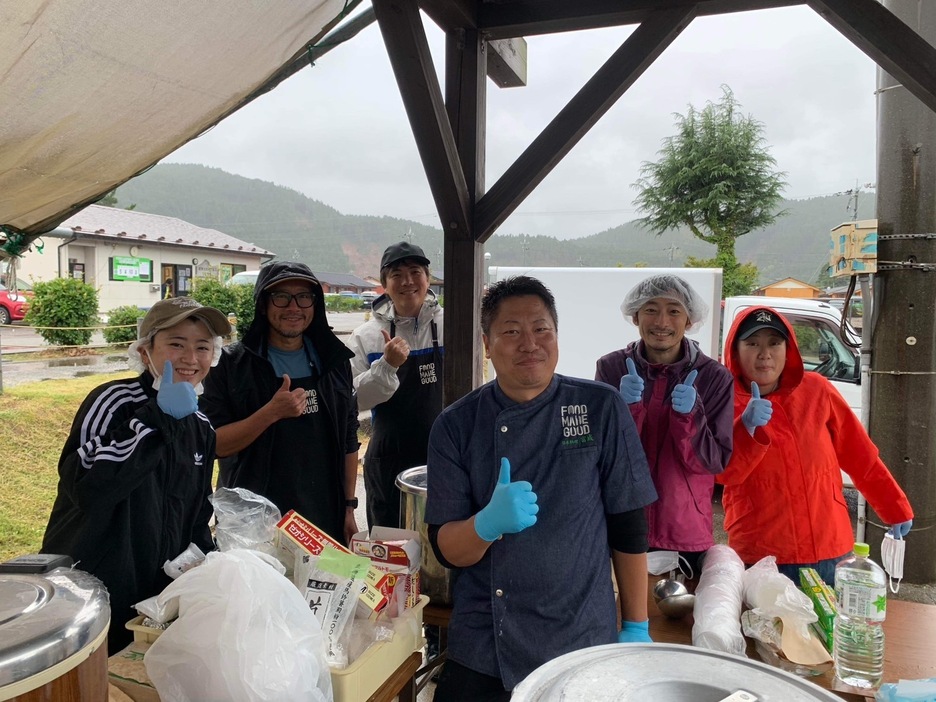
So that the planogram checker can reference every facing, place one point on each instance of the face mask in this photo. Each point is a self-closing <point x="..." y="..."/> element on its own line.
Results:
<point x="892" y="558"/>
<point x="663" y="562"/>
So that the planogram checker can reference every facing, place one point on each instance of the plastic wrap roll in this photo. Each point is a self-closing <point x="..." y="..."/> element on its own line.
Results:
<point x="717" y="611"/>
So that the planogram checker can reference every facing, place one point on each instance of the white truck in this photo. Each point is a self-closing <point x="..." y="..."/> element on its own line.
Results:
<point x="588" y="302"/>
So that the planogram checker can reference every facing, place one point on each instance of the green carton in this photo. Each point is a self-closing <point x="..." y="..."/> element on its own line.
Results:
<point x="823" y="599"/>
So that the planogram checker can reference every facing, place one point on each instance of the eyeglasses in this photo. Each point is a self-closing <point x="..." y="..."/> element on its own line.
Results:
<point x="282" y="299"/>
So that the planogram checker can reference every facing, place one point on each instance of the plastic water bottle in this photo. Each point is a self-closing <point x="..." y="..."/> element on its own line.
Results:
<point x="858" y="635"/>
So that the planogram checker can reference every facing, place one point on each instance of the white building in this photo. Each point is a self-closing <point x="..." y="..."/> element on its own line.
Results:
<point x="128" y="255"/>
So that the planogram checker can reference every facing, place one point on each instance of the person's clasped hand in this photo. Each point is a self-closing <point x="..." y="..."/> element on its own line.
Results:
<point x="900" y="529"/>
<point x="684" y="394"/>
<point x="758" y="411"/>
<point x="635" y="632"/>
<point x="175" y="399"/>
<point x="632" y="385"/>
<point x="512" y="507"/>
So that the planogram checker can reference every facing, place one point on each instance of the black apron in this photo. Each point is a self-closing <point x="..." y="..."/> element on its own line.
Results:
<point x="401" y="431"/>
<point x="303" y="474"/>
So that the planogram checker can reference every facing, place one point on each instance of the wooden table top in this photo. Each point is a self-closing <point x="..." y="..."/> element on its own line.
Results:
<point x="909" y="644"/>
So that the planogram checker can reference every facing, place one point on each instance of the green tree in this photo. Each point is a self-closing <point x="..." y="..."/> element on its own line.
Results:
<point x="59" y="306"/>
<point x="110" y="200"/>
<point x="122" y="324"/>
<point x="715" y="177"/>
<point x="741" y="280"/>
<point x="230" y="299"/>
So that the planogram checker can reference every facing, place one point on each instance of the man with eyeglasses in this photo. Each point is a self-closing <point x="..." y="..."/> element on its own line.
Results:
<point x="282" y="403"/>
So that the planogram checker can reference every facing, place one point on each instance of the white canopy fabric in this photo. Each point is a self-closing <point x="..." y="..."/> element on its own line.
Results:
<point x="93" y="92"/>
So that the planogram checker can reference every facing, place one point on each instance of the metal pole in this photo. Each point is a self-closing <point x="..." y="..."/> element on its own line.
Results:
<point x="903" y="335"/>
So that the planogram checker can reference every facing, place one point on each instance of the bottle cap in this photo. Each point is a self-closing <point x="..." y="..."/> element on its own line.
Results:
<point x="862" y="549"/>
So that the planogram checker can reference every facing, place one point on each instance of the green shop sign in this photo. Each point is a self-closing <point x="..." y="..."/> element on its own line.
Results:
<point x="131" y="268"/>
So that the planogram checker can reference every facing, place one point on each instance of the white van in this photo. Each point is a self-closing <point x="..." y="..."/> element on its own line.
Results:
<point x="244" y="278"/>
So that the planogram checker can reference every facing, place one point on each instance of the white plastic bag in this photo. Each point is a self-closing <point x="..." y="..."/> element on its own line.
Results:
<point x="717" y="611"/>
<point x="244" y="519"/>
<point x="244" y="633"/>
<point x="773" y="595"/>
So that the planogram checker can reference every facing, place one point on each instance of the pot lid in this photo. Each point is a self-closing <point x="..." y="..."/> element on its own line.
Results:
<point x="413" y="480"/>
<point x="638" y="672"/>
<point x="45" y="619"/>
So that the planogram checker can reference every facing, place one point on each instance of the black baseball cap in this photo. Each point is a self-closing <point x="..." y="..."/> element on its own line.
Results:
<point x="400" y="251"/>
<point x="281" y="271"/>
<point x="762" y="319"/>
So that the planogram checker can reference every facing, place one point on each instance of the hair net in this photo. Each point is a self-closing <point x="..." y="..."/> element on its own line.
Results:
<point x="670" y="287"/>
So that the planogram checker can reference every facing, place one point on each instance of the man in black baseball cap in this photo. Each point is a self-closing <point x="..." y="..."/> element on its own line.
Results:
<point x="283" y="406"/>
<point x="397" y="369"/>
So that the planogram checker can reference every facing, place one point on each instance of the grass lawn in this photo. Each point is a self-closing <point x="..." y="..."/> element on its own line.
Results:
<point x="34" y="423"/>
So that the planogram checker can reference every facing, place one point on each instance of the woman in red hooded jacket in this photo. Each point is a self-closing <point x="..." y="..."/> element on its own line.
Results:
<point x="793" y="433"/>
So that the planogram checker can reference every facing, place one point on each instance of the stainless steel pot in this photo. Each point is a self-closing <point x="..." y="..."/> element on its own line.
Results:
<point x="662" y="673"/>
<point x="53" y="636"/>
<point x="435" y="580"/>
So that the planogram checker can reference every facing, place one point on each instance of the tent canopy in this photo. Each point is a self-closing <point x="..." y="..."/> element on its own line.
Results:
<point x="93" y="93"/>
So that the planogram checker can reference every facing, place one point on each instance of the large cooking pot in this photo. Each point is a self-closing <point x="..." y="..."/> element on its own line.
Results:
<point x="434" y="578"/>
<point x="53" y="636"/>
<point x="662" y="673"/>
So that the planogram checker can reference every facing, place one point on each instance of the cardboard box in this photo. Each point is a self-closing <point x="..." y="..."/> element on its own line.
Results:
<point x="297" y="537"/>
<point x="823" y="599"/>
<point x="126" y="672"/>
<point x="397" y="552"/>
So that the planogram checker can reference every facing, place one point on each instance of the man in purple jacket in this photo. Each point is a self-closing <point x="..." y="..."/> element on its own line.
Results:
<point x="682" y="402"/>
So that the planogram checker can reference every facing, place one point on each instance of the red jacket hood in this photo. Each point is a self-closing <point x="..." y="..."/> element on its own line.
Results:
<point x="793" y="371"/>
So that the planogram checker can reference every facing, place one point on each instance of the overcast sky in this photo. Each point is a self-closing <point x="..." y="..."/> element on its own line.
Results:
<point x="338" y="132"/>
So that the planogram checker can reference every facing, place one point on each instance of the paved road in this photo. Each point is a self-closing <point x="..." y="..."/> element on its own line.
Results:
<point x="19" y="339"/>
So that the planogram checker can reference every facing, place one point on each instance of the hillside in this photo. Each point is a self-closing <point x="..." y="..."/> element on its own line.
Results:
<point x="296" y="226"/>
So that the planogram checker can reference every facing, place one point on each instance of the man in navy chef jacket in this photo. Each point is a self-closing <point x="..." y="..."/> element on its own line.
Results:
<point x="536" y="486"/>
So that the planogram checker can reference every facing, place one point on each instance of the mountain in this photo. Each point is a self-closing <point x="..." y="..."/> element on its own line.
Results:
<point x="296" y="226"/>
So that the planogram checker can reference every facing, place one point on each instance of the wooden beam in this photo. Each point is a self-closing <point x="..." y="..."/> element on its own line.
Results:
<point x="452" y="14"/>
<point x="575" y="119"/>
<point x="466" y="104"/>
<point x="507" y="62"/>
<point x="888" y="40"/>
<point x="499" y="20"/>
<point x="405" y="38"/>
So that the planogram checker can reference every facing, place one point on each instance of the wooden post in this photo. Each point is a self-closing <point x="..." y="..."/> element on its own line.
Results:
<point x="903" y="332"/>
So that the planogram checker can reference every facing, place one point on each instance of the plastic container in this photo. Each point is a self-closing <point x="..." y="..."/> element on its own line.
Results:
<point x="141" y="633"/>
<point x="361" y="679"/>
<point x="858" y="638"/>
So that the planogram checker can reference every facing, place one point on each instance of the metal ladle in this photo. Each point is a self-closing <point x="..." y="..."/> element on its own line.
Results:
<point x="673" y="598"/>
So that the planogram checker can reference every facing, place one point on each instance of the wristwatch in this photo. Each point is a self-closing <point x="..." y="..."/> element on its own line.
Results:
<point x="352" y="503"/>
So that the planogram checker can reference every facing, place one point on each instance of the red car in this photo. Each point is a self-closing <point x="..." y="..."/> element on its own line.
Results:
<point x="12" y="307"/>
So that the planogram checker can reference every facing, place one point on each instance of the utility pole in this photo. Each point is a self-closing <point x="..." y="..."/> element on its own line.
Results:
<point x="903" y="324"/>
<point x="671" y="249"/>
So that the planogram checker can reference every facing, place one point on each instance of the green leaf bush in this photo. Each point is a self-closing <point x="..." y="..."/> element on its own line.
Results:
<point x="117" y="331"/>
<point x="60" y="303"/>
<point x="236" y="299"/>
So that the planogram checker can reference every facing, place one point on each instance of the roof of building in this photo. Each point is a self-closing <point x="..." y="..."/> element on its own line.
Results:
<point x="336" y="279"/>
<point x="130" y="225"/>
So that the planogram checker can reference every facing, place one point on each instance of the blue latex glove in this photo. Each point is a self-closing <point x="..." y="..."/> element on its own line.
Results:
<point x="512" y="507"/>
<point x="175" y="399"/>
<point x="758" y="411"/>
<point x="684" y="395"/>
<point x="901" y="529"/>
<point x="635" y="632"/>
<point x="632" y="385"/>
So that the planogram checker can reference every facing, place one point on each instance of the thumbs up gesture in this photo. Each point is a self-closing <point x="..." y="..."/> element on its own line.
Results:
<point x="632" y="385"/>
<point x="175" y="399"/>
<point x="512" y="507"/>
<point x="396" y="350"/>
<point x="684" y="394"/>
<point x="758" y="411"/>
